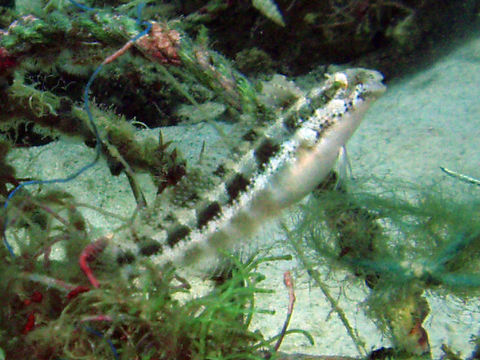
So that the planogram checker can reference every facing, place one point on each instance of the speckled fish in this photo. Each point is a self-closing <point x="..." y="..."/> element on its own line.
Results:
<point x="287" y="161"/>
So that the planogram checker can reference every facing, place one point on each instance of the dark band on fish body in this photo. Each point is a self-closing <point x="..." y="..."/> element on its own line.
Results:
<point x="265" y="151"/>
<point x="208" y="213"/>
<point x="236" y="185"/>
<point x="291" y="123"/>
<point x="178" y="233"/>
<point x="150" y="247"/>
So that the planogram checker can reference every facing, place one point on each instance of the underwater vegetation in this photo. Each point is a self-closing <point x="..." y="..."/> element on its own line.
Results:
<point x="90" y="304"/>
<point x="96" y="72"/>
<point x="403" y="242"/>
<point x="142" y="316"/>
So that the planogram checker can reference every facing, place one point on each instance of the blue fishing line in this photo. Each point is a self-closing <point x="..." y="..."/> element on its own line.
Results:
<point x="140" y="23"/>
<point x="92" y="124"/>
<point x="81" y="6"/>
<point x="86" y="167"/>
<point x="68" y="178"/>
<point x="109" y="342"/>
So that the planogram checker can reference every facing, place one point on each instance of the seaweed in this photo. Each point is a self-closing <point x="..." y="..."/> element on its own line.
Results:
<point x="401" y="246"/>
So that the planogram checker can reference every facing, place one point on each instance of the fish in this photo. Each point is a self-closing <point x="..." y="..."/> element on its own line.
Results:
<point x="287" y="160"/>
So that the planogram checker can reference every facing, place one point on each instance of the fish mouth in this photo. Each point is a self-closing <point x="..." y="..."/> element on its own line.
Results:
<point x="376" y="89"/>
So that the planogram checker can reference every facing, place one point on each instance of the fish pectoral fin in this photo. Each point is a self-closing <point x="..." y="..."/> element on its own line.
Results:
<point x="344" y="166"/>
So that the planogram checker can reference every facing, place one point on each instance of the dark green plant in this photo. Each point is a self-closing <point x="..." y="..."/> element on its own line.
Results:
<point x="401" y="246"/>
<point x="145" y="312"/>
